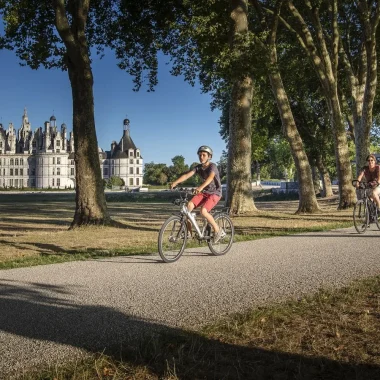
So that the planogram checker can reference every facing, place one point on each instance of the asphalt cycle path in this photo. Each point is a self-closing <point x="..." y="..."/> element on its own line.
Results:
<point x="56" y="312"/>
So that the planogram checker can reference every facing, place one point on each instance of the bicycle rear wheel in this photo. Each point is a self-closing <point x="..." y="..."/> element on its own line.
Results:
<point x="225" y="243"/>
<point x="361" y="216"/>
<point x="377" y="218"/>
<point x="172" y="239"/>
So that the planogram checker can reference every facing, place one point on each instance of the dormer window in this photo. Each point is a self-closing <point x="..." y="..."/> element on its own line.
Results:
<point x="130" y="153"/>
<point x="58" y="142"/>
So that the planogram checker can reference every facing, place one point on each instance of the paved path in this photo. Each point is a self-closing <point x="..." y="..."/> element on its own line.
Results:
<point x="53" y="312"/>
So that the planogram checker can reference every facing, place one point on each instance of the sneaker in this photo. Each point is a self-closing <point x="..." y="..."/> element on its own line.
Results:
<point x="220" y="235"/>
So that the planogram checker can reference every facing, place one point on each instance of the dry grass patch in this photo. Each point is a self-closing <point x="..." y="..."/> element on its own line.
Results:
<point x="32" y="228"/>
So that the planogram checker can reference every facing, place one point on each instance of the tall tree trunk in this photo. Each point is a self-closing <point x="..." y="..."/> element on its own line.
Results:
<point x="307" y="200"/>
<point x="366" y="84"/>
<point x="325" y="62"/>
<point x="325" y="176"/>
<point x="346" y="190"/>
<point x="91" y="207"/>
<point x="239" y="178"/>
<point x="90" y="200"/>
<point x="239" y="194"/>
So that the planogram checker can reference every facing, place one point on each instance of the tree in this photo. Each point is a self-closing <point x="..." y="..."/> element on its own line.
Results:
<point x="209" y="41"/>
<point x="359" y="21"/>
<point x="318" y="35"/>
<point x="307" y="199"/>
<point x="61" y="34"/>
<point x="115" y="181"/>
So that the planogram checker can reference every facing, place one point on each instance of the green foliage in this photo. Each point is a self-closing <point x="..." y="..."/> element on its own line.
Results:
<point x="115" y="181"/>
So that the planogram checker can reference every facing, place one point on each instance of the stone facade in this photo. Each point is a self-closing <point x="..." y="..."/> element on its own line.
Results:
<point x="45" y="158"/>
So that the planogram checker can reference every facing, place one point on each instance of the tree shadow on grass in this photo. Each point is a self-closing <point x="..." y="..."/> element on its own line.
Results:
<point x="42" y="313"/>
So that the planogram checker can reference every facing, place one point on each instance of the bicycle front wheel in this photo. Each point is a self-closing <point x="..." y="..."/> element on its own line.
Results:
<point x="172" y="239"/>
<point x="225" y="243"/>
<point x="361" y="216"/>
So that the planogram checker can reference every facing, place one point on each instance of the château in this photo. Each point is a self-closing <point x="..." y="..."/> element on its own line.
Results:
<point x="45" y="158"/>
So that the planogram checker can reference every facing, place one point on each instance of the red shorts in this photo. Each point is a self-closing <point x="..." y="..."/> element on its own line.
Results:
<point x="208" y="201"/>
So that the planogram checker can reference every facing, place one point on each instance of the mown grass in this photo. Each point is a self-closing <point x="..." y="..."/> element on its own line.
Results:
<point x="333" y="334"/>
<point x="34" y="227"/>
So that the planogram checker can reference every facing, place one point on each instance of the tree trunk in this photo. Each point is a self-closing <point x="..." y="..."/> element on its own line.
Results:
<point x="90" y="200"/>
<point x="307" y="199"/>
<point x="239" y="178"/>
<point x="346" y="190"/>
<point x="325" y="176"/>
<point x="91" y="207"/>
<point x="316" y="183"/>
<point x="325" y="62"/>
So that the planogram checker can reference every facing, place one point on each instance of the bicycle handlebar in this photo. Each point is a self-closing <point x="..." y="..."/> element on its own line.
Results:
<point x="365" y="184"/>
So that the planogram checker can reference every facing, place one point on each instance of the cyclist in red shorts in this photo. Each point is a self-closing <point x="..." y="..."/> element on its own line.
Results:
<point x="209" y="192"/>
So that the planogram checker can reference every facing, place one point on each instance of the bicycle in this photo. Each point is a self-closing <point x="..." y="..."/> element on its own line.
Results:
<point x="174" y="232"/>
<point x="365" y="210"/>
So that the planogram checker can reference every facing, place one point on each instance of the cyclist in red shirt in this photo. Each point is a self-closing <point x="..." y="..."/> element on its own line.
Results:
<point x="371" y="173"/>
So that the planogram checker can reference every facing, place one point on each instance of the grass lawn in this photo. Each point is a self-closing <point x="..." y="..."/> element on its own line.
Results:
<point x="34" y="227"/>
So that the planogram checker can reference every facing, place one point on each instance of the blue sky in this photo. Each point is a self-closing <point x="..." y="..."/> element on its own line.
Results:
<point x="174" y="120"/>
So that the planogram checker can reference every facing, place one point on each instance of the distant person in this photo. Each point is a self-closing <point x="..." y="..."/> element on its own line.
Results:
<point x="371" y="173"/>
<point x="209" y="192"/>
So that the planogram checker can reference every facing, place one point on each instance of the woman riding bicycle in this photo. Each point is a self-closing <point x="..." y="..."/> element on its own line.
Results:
<point x="371" y="173"/>
<point x="209" y="192"/>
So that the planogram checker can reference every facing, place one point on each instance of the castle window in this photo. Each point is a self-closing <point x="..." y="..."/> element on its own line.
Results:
<point x="21" y="171"/>
<point x="138" y="162"/>
<point x="105" y="171"/>
<point x="52" y="182"/>
<point x="53" y="160"/>
<point x="11" y="161"/>
<point x="10" y="171"/>
<point x="72" y="162"/>
<point x="138" y="181"/>
<point x="130" y="181"/>
<point x="34" y="171"/>
<point x="58" y="182"/>
<point x="131" y="161"/>
<point x="16" y="161"/>
<point x="16" y="171"/>
<point x="130" y="154"/>
<point x="137" y="170"/>
<point x="72" y="171"/>
<point x="21" y="161"/>
<point x="130" y="170"/>
<point x="58" y="142"/>
<point x="53" y="171"/>
<point x="58" y="160"/>
<point x="58" y="171"/>
<point x="138" y="154"/>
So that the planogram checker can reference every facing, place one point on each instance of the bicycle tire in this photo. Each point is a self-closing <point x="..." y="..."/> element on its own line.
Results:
<point x="361" y="216"/>
<point x="172" y="239"/>
<point x="377" y="219"/>
<point x="224" y="244"/>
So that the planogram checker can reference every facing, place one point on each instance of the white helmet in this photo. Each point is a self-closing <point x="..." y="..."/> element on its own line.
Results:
<point x="205" y="148"/>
